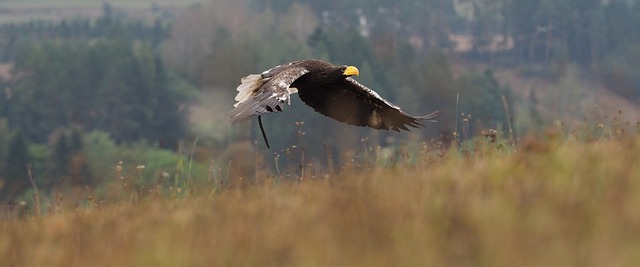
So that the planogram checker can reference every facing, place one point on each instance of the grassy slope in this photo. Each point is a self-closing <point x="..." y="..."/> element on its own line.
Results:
<point x="546" y="205"/>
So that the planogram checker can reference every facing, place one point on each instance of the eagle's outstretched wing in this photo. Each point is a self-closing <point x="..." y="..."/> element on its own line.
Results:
<point x="353" y="103"/>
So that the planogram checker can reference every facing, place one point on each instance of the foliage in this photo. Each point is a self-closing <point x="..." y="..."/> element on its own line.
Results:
<point x="349" y="47"/>
<point x="221" y="48"/>
<point x="112" y="85"/>
<point x="427" y="82"/>
<point x="619" y="72"/>
<point x="139" y="165"/>
<point x="481" y="102"/>
<point x="93" y="161"/>
<point x="392" y="21"/>
<point x="582" y="31"/>
<point x="16" y="35"/>
<point x="14" y="171"/>
<point x="5" y="138"/>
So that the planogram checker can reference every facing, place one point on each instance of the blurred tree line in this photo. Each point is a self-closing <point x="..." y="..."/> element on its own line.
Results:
<point x="71" y="78"/>
<point x="109" y="85"/>
<point x="83" y="93"/>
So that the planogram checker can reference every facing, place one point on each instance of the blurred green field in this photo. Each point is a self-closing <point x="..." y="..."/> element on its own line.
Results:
<point x="543" y="203"/>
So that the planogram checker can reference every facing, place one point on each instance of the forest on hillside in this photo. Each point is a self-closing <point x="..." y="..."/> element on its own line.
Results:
<point x="88" y="100"/>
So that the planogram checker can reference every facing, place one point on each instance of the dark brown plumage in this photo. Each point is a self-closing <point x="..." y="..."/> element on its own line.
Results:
<point x="325" y="87"/>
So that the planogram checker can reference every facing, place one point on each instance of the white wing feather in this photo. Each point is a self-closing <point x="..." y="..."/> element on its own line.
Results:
<point x="250" y="84"/>
<point x="265" y="93"/>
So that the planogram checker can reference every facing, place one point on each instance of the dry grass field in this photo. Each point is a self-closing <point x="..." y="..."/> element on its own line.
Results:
<point x="542" y="203"/>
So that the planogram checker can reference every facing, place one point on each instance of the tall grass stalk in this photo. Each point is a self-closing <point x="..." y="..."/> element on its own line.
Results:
<point x="189" y="178"/>
<point x="35" y="190"/>
<point x="508" y="114"/>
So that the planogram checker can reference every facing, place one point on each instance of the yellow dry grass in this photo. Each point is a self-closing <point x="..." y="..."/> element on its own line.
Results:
<point x="545" y="205"/>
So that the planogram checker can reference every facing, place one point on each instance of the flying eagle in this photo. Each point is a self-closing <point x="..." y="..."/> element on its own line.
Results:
<point x="328" y="89"/>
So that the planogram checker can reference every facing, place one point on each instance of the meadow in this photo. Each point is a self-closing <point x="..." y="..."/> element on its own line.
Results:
<point x="548" y="201"/>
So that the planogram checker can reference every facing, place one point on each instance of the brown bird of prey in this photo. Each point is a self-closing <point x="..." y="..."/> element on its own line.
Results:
<point x="328" y="89"/>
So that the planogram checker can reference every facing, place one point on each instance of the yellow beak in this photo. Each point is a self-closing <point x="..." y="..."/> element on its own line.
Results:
<point x="351" y="71"/>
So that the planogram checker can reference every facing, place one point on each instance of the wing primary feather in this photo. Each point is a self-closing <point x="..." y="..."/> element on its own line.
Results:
<point x="431" y="116"/>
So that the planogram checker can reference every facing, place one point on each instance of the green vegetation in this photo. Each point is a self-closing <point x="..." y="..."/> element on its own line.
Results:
<point x="112" y="86"/>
